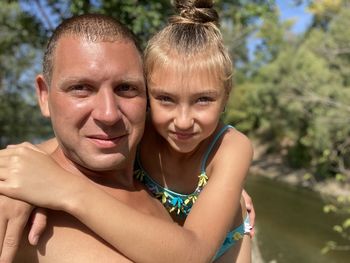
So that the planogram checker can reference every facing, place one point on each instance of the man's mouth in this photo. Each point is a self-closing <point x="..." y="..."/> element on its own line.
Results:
<point x="106" y="141"/>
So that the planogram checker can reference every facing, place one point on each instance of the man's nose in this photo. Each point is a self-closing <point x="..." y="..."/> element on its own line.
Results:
<point x="106" y="109"/>
<point x="183" y="119"/>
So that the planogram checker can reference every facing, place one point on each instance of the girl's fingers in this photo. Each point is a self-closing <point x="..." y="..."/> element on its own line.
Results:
<point x="3" y="162"/>
<point x="13" y="238"/>
<point x="38" y="225"/>
<point x="11" y="146"/>
<point x="23" y="148"/>
<point x="7" y="152"/>
<point x="4" y="192"/>
<point x="3" y="224"/>
<point x="30" y="146"/>
<point x="3" y="174"/>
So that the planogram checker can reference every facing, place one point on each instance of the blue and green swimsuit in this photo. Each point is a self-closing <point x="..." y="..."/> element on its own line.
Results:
<point x="182" y="203"/>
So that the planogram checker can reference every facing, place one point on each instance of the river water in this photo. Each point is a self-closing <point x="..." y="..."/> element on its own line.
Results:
<point x="291" y="225"/>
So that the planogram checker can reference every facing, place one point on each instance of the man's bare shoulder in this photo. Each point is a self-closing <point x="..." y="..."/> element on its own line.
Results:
<point x="67" y="240"/>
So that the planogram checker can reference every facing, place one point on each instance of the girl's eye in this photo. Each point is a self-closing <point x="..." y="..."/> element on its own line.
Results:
<point x="164" y="99"/>
<point x="204" y="100"/>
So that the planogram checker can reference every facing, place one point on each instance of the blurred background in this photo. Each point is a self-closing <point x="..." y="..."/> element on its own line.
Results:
<point x="291" y="97"/>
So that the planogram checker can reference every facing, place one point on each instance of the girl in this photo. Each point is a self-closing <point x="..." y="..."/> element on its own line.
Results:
<point x="197" y="165"/>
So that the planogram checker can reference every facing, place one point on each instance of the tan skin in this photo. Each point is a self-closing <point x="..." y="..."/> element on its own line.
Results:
<point x="185" y="108"/>
<point x="107" y="109"/>
<point x="72" y="209"/>
<point x="195" y="232"/>
<point x="241" y="250"/>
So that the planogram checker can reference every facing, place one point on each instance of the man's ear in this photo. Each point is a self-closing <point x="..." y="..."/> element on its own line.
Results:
<point x="42" y="93"/>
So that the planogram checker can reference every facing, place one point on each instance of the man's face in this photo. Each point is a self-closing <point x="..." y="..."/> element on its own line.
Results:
<point x="97" y="101"/>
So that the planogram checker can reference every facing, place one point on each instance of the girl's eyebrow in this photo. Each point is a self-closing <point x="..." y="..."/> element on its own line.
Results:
<point x="158" y="90"/>
<point x="202" y="92"/>
<point x="207" y="93"/>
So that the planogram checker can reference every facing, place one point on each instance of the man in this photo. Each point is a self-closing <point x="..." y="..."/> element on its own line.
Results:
<point x="93" y="90"/>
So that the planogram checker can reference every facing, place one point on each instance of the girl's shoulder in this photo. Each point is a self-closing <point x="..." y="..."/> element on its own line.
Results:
<point x="234" y="140"/>
<point x="233" y="148"/>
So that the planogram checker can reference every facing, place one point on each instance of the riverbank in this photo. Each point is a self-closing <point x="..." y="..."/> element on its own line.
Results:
<point x="272" y="166"/>
<point x="256" y="254"/>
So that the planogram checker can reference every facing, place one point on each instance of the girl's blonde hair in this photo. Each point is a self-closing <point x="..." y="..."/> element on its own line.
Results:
<point x="191" y="41"/>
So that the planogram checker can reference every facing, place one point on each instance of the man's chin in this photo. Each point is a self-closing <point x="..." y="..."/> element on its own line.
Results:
<point x="106" y="164"/>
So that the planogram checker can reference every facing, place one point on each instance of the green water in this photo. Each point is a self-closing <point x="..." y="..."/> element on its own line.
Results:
<point x="291" y="225"/>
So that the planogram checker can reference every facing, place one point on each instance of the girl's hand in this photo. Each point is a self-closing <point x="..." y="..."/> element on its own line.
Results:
<point x="13" y="218"/>
<point x="251" y="211"/>
<point x="31" y="175"/>
<point x="37" y="225"/>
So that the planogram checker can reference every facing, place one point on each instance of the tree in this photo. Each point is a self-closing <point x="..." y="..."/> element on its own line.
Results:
<point x="296" y="99"/>
<point x="21" y="36"/>
<point x="27" y="24"/>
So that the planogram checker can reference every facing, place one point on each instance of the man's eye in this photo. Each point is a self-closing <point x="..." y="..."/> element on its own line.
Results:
<point x="127" y="90"/>
<point x="80" y="89"/>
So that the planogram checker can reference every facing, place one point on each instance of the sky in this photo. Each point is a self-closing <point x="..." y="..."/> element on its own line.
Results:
<point x="298" y="13"/>
<point x="287" y="8"/>
<point x="288" y="11"/>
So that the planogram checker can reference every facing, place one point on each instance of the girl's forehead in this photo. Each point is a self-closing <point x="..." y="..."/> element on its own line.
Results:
<point x="184" y="76"/>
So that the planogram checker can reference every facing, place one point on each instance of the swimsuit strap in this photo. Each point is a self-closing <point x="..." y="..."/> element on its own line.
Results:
<point x="211" y="146"/>
<point x="173" y="201"/>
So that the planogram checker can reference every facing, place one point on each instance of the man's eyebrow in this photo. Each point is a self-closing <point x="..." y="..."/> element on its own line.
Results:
<point x="135" y="80"/>
<point x="70" y="80"/>
<point x="77" y="79"/>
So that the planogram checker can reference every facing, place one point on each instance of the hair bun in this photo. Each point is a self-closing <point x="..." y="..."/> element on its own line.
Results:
<point x="197" y="11"/>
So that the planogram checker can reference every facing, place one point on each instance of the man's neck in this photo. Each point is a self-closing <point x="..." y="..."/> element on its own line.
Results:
<point x="120" y="178"/>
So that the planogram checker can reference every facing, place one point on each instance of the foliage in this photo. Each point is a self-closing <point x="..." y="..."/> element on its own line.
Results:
<point x="239" y="20"/>
<point x="143" y="17"/>
<point x="342" y="206"/>
<point x="324" y="10"/>
<point x="26" y="25"/>
<point x="293" y="94"/>
<point x="297" y="97"/>
<point x="21" y="36"/>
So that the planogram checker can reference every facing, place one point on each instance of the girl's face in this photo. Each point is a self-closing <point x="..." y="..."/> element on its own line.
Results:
<point x="185" y="106"/>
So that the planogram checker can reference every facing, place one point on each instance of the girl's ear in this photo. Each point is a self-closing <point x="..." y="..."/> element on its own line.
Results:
<point x="42" y="92"/>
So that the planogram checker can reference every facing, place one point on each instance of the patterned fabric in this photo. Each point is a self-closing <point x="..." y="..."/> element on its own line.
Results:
<point x="181" y="204"/>
<point x="173" y="202"/>
<point x="234" y="236"/>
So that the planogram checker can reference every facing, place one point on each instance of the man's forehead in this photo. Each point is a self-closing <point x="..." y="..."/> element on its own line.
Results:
<point x="71" y="47"/>
<point x="79" y="58"/>
<point x="69" y="39"/>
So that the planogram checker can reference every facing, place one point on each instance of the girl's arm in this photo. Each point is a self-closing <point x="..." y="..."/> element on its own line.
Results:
<point x="218" y="203"/>
<point x="14" y="217"/>
<point x="141" y="237"/>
